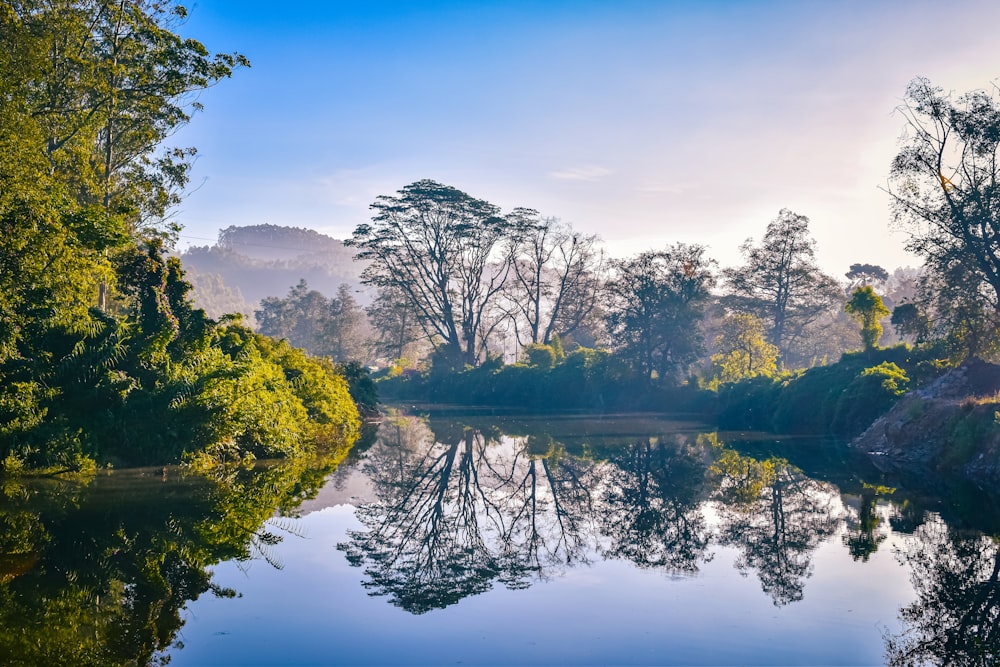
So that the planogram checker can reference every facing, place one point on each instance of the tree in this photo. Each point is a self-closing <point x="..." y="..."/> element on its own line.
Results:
<point x="656" y="302"/>
<point x="114" y="80"/>
<point x="298" y="318"/>
<point x="443" y="251"/>
<point x="743" y="351"/>
<point x="308" y="320"/>
<point x="866" y="307"/>
<point x="780" y="282"/>
<point x="394" y="324"/>
<point x="866" y="274"/>
<point x="909" y="322"/>
<point x="555" y="277"/>
<point x="945" y="189"/>
<point x="343" y="328"/>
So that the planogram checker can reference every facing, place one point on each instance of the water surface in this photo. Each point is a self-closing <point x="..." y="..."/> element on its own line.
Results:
<point x="506" y="541"/>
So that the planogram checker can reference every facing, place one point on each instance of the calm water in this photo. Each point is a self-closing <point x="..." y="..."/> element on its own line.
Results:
<point x="477" y="541"/>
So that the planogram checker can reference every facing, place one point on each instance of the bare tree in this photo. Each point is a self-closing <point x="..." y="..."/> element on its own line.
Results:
<point x="555" y="277"/>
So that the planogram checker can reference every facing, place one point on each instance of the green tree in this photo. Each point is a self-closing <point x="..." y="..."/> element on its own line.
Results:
<point x="743" y="350"/>
<point x="114" y="80"/>
<point x="656" y="302"/>
<point x="307" y="319"/>
<point x="866" y="307"/>
<point x="443" y="250"/>
<point x="780" y="282"/>
<point x="298" y="318"/>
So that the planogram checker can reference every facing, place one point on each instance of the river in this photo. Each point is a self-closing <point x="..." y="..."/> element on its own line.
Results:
<point x="462" y="539"/>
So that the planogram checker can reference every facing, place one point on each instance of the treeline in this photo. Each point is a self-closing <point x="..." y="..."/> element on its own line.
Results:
<point x="482" y="288"/>
<point x="102" y="356"/>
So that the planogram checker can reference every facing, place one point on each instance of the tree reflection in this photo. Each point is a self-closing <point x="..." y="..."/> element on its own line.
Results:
<point x="865" y="532"/>
<point x="956" y="617"/>
<point x="458" y="510"/>
<point x="776" y="517"/>
<point x="423" y="545"/>
<point x="650" y="508"/>
<point x="97" y="571"/>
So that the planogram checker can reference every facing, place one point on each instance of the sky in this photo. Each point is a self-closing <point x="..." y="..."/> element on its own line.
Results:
<point x="646" y="123"/>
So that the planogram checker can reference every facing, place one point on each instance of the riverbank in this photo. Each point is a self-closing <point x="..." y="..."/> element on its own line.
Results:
<point x="950" y="426"/>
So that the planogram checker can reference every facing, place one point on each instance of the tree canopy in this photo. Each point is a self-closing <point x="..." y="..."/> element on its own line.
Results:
<point x="945" y="189"/>
<point x="780" y="282"/>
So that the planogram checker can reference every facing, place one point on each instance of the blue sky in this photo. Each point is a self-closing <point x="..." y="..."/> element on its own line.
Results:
<point x="647" y="123"/>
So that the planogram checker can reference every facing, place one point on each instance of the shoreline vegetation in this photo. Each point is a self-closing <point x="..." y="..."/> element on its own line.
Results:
<point x="105" y="360"/>
<point x="927" y="414"/>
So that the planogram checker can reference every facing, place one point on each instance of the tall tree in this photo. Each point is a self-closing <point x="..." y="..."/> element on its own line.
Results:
<point x="780" y="282"/>
<point x="656" y="301"/>
<point x="114" y="80"/>
<point x="444" y="251"/>
<point x="866" y="307"/>
<point x="555" y="277"/>
<point x="945" y="182"/>
<point x="394" y="324"/>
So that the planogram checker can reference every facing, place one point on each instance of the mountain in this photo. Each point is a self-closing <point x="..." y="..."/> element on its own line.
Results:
<point x="248" y="264"/>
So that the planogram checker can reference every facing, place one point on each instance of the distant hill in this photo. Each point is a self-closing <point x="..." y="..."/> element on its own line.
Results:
<point x="248" y="264"/>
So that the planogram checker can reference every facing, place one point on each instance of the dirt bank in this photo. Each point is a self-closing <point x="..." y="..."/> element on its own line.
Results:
<point x="950" y="426"/>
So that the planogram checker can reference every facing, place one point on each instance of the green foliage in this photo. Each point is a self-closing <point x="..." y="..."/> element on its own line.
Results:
<point x="586" y="379"/>
<point x="743" y="350"/>
<point x="866" y="307"/>
<point x="656" y="304"/>
<point x="361" y="386"/>
<point x="842" y="398"/>
<point x="539" y="355"/>
<point x="162" y="382"/>
<point x="88" y="91"/>
<point x="867" y="396"/>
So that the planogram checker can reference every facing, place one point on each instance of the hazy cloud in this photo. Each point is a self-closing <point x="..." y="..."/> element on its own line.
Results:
<point x="588" y="173"/>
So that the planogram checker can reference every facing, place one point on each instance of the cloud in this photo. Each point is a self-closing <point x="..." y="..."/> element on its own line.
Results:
<point x="588" y="173"/>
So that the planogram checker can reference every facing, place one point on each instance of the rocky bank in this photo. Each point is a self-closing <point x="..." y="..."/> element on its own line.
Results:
<point x="951" y="425"/>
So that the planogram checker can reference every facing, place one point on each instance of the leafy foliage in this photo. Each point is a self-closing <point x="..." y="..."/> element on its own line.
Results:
<point x="866" y="307"/>
<point x="743" y="351"/>
<point x="780" y="282"/>
<point x="656" y="302"/>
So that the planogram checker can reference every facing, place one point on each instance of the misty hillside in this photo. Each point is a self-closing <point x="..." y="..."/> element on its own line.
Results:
<point x="248" y="264"/>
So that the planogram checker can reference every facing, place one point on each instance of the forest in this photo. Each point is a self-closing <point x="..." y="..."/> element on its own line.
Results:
<point x="442" y="294"/>
<point x="103" y="358"/>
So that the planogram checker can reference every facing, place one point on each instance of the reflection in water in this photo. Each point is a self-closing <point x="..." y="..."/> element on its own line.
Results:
<point x="956" y="617"/>
<point x="99" y="571"/>
<point x="776" y="517"/>
<point x="650" y="510"/>
<point x="96" y="571"/>
<point x="459" y="510"/>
